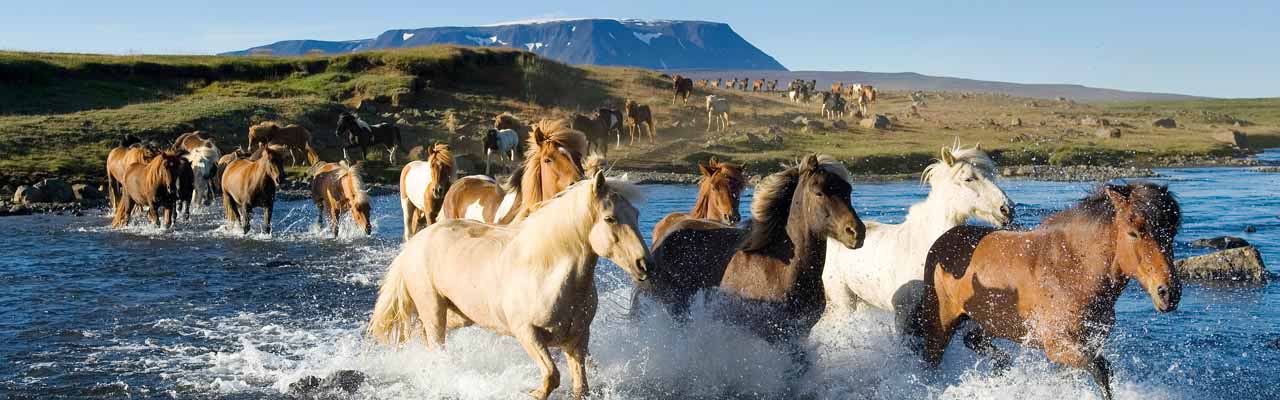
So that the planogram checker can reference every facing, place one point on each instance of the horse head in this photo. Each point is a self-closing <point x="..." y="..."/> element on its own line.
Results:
<point x="615" y="233"/>
<point x="720" y="192"/>
<point x="965" y="180"/>
<point x="1146" y="218"/>
<point x="271" y="157"/>
<point x="553" y="161"/>
<point x="823" y="197"/>
<point x="442" y="168"/>
<point x="490" y="140"/>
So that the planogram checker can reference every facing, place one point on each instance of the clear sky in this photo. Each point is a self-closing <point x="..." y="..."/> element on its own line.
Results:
<point x="1209" y="48"/>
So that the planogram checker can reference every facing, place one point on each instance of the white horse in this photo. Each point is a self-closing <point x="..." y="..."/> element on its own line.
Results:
<point x="534" y="281"/>
<point x="717" y="112"/>
<point x="888" y="271"/>
<point x="204" y="167"/>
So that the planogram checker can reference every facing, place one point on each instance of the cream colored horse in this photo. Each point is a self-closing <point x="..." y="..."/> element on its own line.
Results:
<point x="534" y="281"/>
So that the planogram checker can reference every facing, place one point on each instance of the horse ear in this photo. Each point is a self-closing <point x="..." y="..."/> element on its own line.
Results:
<point x="1118" y="200"/>
<point x="947" y="157"/>
<point x="538" y="135"/>
<point x="978" y="146"/>
<point x="598" y="186"/>
<point x="810" y="163"/>
<point x="705" y="170"/>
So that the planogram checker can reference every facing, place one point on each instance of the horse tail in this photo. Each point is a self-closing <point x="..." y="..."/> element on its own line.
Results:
<point x="392" y="314"/>
<point x="312" y="157"/>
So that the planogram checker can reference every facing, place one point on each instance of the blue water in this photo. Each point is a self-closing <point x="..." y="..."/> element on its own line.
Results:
<point x="199" y="312"/>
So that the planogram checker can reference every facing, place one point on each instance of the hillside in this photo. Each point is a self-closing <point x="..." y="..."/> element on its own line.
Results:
<point x="609" y="42"/>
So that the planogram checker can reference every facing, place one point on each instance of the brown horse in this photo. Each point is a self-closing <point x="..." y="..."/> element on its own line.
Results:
<point x="777" y="262"/>
<point x="153" y="185"/>
<point x="596" y="128"/>
<point x="250" y="183"/>
<point x="423" y="185"/>
<point x="639" y="116"/>
<point x="293" y="137"/>
<point x="553" y="161"/>
<point x="719" y="193"/>
<point x="118" y="161"/>
<point x="337" y="188"/>
<point x="757" y="84"/>
<point x="683" y="87"/>
<point x="1054" y="287"/>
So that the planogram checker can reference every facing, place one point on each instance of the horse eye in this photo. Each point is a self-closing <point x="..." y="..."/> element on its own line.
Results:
<point x="1133" y="234"/>
<point x="610" y="220"/>
<point x="546" y="160"/>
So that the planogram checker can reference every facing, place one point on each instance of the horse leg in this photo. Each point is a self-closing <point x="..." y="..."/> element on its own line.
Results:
<point x="407" y="215"/>
<point x="538" y="352"/>
<point x="344" y="154"/>
<point x="246" y="215"/>
<point x="228" y="208"/>
<point x="153" y="215"/>
<point x="123" y="209"/>
<point x="1072" y="354"/>
<point x="392" y="156"/>
<point x="334" y="216"/>
<point x="487" y="156"/>
<point x="432" y="313"/>
<point x="266" y="218"/>
<point x="170" y="213"/>
<point x="576" y="354"/>
<point x="980" y="342"/>
<point x="939" y="321"/>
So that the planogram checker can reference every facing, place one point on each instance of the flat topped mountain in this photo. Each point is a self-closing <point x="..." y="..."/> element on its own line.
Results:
<point x="634" y="43"/>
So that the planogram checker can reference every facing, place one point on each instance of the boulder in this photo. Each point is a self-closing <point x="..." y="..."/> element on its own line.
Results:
<point x="86" y="193"/>
<point x="1091" y="121"/>
<point x="1250" y="229"/>
<point x="1220" y="243"/>
<point x="28" y="194"/>
<point x="1107" y="133"/>
<point x="813" y="125"/>
<point x="1241" y="264"/>
<point x="344" y="381"/>
<point x="56" y="191"/>
<point x="1232" y="137"/>
<point x="1165" y="123"/>
<point x="840" y="124"/>
<point x="877" y="121"/>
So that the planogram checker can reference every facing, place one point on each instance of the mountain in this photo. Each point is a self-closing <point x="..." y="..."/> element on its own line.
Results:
<point x="915" y="81"/>
<point x="659" y="45"/>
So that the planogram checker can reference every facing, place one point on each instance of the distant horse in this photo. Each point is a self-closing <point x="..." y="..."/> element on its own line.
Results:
<point x="337" y="189"/>
<point x="778" y="262"/>
<point x="773" y="85"/>
<point x="717" y="112"/>
<point x="719" y="194"/>
<point x="361" y="134"/>
<point x="757" y="84"/>
<point x="835" y="87"/>
<point x="293" y="137"/>
<point x="613" y="120"/>
<point x="552" y="162"/>
<point x="639" y="116"/>
<point x="534" y="281"/>
<point x="733" y="84"/>
<point x="251" y="183"/>
<point x="423" y="185"/>
<point x="717" y="83"/>
<point x="701" y="83"/>
<point x="152" y="185"/>
<point x="596" y="128"/>
<point x="505" y="142"/>
<point x="834" y="106"/>
<point x="1054" y="287"/>
<point x="203" y="155"/>
<point x="888" y="271"/>
<point x="683" y="87"/>
<point x="508" y="120"/>
<point x="118" y="161"/>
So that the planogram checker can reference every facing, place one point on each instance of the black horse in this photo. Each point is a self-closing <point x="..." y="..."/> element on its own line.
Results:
<point x="364" y="136"/>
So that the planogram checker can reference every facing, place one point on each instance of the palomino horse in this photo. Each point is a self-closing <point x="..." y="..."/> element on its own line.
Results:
<point x="423" y="185"/>
<point x="505" y="142"/>
<point x="361" y="134"/>
<point x="337" y="188"/>
<point x="203" y="155"/>
<point x="719" y="193"/>
<point x="250" y="183"/>
<point x="717" y="112"/>
<point x="118" y="161"/>
<point x="534" y="281"/>
<point x="293" y="137"/>
<point x="552" y="162"/>
<point x="639" y="116"/>
<point x="152" y="184"/>
<point x="778" y="261"/>
<point x="1056" y="286"/>
<point x="888" y="271"/>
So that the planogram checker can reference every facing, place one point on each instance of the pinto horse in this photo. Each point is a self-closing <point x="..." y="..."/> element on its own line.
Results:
<point x="1054" y="287"/>
<point x="719" y="194"/>
<point x="534" y="281"/>
<point x="361" y="134"/>
<point x="250" y="183"/>
<point x="613" y="122"/>
<point x="152" y="185"/>
<point x="336" y="189"/>
<point x="292" y="137"/>
<point x="552" y="162"/>
<point x="423" y="185"/>
<point x="505" y="142"/>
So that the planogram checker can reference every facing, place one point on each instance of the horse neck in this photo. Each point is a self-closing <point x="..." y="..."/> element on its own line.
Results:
<point x="934" y="216"/>
<point x="1094" y="244"/>
<point x="701" y="205"/>
<point x="548" y="238"/>
<point x="158" y="175"/>
<point x="807" y="258"/>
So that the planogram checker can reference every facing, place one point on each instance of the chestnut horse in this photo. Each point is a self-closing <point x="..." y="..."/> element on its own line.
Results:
<point x="250" y="183"/>
<point x="423" y="185"/>
<point x="293" y="137"/>
<point x="777" y="263"/>
<point x="719" y="193"/>
<point x="1054" y="287"/>
<point x="552" y="162"/>
<point x="337" y="188"/>
<point x="153" y="185"/>
<point x="118" y="161"/>
<point x="638" y="116"/>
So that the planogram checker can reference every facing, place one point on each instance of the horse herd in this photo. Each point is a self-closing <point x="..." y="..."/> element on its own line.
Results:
<point x="518" y="256"/>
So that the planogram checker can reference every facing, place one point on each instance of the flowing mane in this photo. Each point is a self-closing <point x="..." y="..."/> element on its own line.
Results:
<point x="772" y="203"/>
<point x="1155" y="203"/>
<point x="548" y="136"/>
<point x="359" y="195"/>
<point x="441" y="154"/>
<point x="971" y="155"/>
<point x="552" y="230"/>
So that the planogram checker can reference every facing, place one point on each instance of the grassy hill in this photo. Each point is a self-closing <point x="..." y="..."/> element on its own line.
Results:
<point x="61" y="113"/>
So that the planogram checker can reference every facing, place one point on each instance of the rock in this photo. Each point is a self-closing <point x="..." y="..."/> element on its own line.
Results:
<point x="840" y="124"/>
<point x="800" y="120"/>
<point x="877" y="121"/>
<point x="1232" y="137"/>
<point x="305" y="386"/>
<point x="1250" y="229"/>
<point x="28" y="194"/>
<point x="1107" y="133"/>
<point x="1165" y="123"/>
<point x="17" y="209"/>
<point x="56" y="190"/>
<point x="345" y="381"/>
<point x="814" y="126"/>
<point x="1016" y="122"/>
<point x="1091" y="121"/>
<point x="1241" y="264"/>
<point x="1220" y="243"/>
<point x="86" y="193"/>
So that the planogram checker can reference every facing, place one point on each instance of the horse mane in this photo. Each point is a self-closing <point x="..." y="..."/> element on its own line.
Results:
<point x="1154" y="202"/>
<point x="357" y="182"/>
<point x="557" y="135"/>
<point x="734" y="173"/>
<point x="441" y="154"/>
<point x="772" y="203"/>
<point x="971" y="155"/>
<point x="594" y="163"/>
<point x="554" y="229"/>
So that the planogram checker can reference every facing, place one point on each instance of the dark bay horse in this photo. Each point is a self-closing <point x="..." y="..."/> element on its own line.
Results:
<point x="152" y="184"/>
<point x="250" y="183"/>
<point x="337" y="189"/>
<point x="1054" y="287"/>
<point x="638" y="117"/>
<point x="596" y="128"/>
<point x="361" y="134"/>
<point x="719" y="194"/>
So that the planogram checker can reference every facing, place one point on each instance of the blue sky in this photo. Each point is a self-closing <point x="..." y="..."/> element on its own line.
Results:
<point x="1222" y="48"/>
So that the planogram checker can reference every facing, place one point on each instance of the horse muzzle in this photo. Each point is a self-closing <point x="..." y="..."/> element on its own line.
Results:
<point x="1166" y="297"/>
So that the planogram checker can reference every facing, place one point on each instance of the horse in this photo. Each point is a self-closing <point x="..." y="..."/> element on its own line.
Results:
<point x="119" y="159"/>
<point x="203" y="156"/>
<point x="613" y="122"/>
<point x="717" y="111"/>
<point x="1054" y="287"/>
<point x="423" y="185"/>
<point x="553" y="161"/>
<point x="639" y="116"/>
<point x="293" y="137"/>
<point x="337" y="188"/>
<point x="773" y="85"/>
<point x="701" y="83"/>
<point x="776" y="262"/>
<point x="834" y="106"/>
<point x="250" y="183"/>
<point x="361" y="134"/>
<point x="757" y="84"/>
<point x="596" y="128"/>
<point x="505" y="142"/>
<point x="534" y="281"/>
<point x="835" y="87"/>
<point x="716" y="84"/>
<point x="888" y="271"/>
<point x="683" y="87"/>
<point x="152" y="185"/>
<point x="719" y="194"/>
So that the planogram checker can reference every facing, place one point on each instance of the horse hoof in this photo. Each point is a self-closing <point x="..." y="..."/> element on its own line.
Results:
<point x="537" y="394"/>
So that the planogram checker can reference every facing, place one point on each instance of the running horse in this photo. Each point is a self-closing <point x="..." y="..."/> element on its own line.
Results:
<point x="203" y="155"/>
<point x="130" y="151"/>
<point x="719" y="194"/>
<point x="1054" y="287"/>
<point x="293" y="137"/>
<point x="363" y="135"/>
<point x="534" y="281"/>
<point x="423" y="185"/>
<point x="152" y="185"/>
<point x="552" y="162"/>
<point x="250" y="183"/>
<point x="337" y="189"/>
